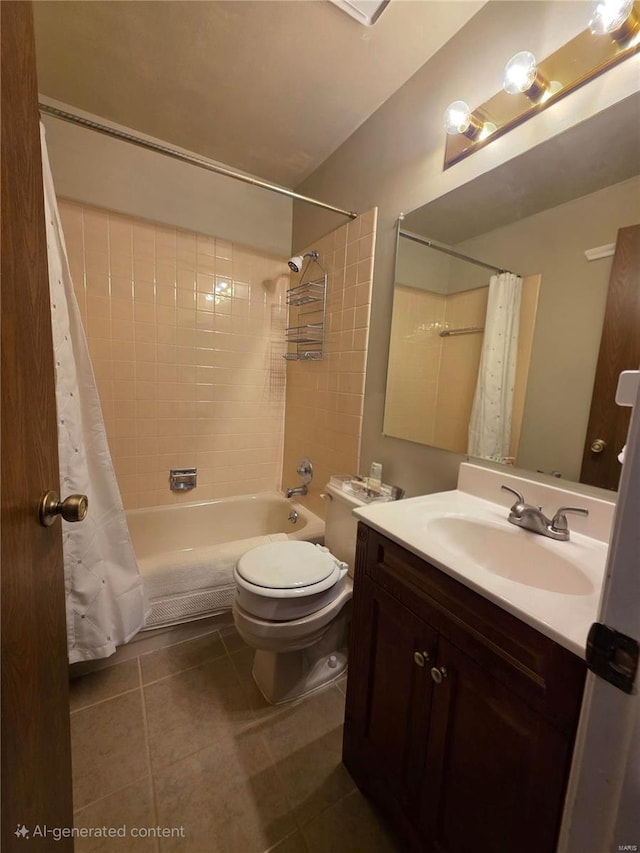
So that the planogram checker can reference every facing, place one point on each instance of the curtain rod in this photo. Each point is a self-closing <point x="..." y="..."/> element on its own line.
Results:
<point x="418" y="239"/>
<point x="187" y="158"/>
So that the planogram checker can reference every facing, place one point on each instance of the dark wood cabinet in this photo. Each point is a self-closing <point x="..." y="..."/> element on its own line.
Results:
<point x="460" y="719"/>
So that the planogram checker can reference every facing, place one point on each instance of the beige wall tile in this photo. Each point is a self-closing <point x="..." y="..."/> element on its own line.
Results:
<point x="324" y="399"/>
<point x="414" y="364"/>
<point x="96" y="230"/>
<point x="157" y="351"/>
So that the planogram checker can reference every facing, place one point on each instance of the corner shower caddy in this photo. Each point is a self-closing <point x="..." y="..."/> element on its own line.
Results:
<point x="307" y="305"/>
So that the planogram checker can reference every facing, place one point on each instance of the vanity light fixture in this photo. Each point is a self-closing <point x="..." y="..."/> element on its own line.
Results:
<point x="458" y="118"/>
<point x="616" y="18"/>
<point x="522" y="76"/>
<point x="576" y="63"/>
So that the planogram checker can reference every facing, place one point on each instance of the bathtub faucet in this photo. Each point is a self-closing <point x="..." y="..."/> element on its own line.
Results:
<point x="299" y="490"/>
<point x="305" y="472"/>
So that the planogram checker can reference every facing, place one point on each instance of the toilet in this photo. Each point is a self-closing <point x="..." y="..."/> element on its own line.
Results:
<point x="293" y="605"/>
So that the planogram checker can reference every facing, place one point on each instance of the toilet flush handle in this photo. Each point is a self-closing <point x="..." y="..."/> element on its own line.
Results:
<point x="326" y="497"/>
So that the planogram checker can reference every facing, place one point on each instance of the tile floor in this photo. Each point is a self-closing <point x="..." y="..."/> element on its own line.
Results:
<point x="181" y="737"/>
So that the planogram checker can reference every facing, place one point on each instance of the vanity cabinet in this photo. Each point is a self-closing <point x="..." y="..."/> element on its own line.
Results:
<point x="460" y="719"/>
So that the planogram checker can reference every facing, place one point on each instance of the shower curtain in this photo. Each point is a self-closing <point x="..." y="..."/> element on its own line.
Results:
<point x="105" y="602"/>
<point x="490" y="423"/>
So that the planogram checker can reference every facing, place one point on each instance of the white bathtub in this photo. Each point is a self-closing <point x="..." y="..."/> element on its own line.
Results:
<point x="186" y="552"/>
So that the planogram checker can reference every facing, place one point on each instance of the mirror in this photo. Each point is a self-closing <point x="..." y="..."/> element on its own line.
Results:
<point x="535" y="216"/>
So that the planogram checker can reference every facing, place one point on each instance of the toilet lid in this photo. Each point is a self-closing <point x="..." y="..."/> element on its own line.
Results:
<point x="287" y="565"/>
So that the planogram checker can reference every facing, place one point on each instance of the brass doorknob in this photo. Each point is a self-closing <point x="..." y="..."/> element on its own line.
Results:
<point x="598" y="445"/>
<point x="73" y="508"/>
<point x="421" y="658"/>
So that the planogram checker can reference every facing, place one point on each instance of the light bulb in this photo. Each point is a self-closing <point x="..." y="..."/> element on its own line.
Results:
<point x="521" y="76"/>
<point x="457" y="118"/>
<point x="519" y="73"/>
<point x="608" y="16"/>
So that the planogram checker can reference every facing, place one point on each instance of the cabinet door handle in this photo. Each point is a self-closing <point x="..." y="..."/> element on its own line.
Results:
<point x="438" y="673"/>
<point x="421" y="658"/>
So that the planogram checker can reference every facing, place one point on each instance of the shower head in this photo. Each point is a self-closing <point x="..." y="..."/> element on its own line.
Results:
<point x="295" y="263"/>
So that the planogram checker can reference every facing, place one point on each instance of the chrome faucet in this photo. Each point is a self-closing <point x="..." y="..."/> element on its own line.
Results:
<point x="305" y="472"/>
<point x="299" y="490"/>
<point x="532" y="518"/>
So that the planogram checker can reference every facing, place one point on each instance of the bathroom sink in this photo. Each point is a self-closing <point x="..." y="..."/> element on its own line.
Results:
<point x="507" y="551"/>
<point x="554" y="586"/>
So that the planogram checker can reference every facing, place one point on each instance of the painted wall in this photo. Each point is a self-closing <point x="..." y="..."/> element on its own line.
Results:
<point x="422" y="268"/>
<point x="394" y="160"/>
<point x="95" y="169"/>
<point x="185" y="334"/>
<point x="325" y="398"/>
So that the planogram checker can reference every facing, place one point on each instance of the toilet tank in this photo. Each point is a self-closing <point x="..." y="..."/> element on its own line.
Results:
<point x="341" y="526"/>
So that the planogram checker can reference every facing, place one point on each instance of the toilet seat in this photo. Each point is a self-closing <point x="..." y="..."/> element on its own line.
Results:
<point x="304" y="578"/>
<point x="288" y="570"/>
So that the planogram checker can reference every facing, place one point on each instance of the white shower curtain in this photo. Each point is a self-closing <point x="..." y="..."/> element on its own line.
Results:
<point x="490" y="423"/>
<point x="105" y="601"/>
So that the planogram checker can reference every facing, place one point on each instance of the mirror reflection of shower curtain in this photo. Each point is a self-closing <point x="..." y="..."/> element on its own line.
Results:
<point x="490" y="423"/>
<point x="105" y="600"/>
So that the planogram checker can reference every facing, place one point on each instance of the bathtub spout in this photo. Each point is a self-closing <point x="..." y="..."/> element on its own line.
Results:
<point x="299" y="490"/>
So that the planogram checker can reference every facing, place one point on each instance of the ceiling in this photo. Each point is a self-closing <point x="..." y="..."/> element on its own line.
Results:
<point x="271" y="87"/>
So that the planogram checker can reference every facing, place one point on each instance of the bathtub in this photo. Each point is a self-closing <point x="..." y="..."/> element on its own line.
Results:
<point x="186" y="552"/>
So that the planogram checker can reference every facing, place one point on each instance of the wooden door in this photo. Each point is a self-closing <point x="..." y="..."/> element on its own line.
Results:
<point x="496" y="769"/>
<point x="619" y="350"/>
<point x="35" y="742"/>
<point x="388" y="699"/>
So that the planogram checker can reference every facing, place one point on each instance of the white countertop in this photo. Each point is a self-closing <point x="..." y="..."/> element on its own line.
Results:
<point x="561" y="592"/>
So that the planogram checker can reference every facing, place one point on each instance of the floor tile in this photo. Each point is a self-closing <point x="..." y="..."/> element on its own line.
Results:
<point x="306" y="743"/>
<point x="351" y="826"/>
<point x="107" y="747"/>
<point x="103" y="684"/>
<point x="181" y="656"/>
<point x="151" y="639"/>
<point x="191" y="710"/>
<point x="239" y="774"/>
<point x="130" y="808"/>
<point x="293" y="844"/>
<point x="227" y="797"/>
<point x="232" y="640"/>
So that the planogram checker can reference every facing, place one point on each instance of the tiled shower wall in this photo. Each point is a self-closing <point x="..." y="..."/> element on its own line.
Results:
<point x="458" y="373"/>
<point x="415" y="351"/>
<point x="185" y="334"/>
<point x="432" y="380"/>
<point x="325" y="398"/>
